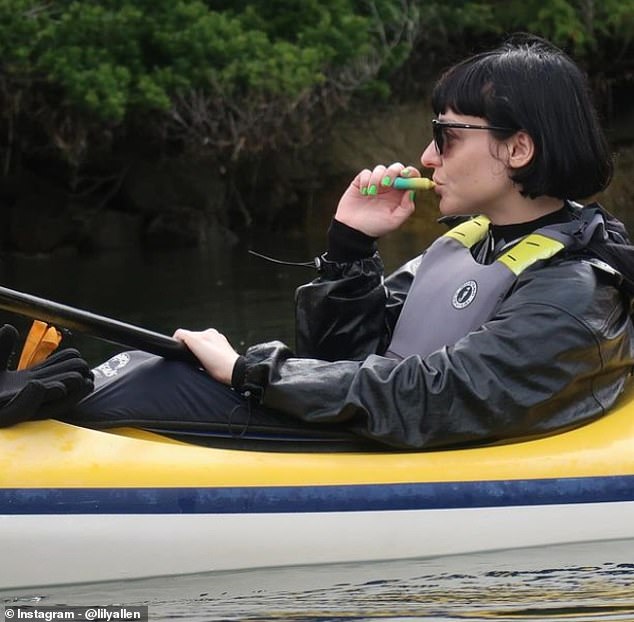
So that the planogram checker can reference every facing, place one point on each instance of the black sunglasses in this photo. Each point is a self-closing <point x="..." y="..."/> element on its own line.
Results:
<point x="438" y="128"/>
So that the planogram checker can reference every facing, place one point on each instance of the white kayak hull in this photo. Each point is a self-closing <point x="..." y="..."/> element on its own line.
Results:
<point x="74" y="549"/>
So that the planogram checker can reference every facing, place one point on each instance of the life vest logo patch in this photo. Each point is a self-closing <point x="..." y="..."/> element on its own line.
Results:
<point x="464" y="295"/>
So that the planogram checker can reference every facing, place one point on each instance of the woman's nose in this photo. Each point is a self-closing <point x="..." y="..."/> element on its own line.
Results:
<point x="430" y="157"/>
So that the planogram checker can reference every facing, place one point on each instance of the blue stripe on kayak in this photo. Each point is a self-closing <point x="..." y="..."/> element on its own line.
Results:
<point x="348" y="498"/>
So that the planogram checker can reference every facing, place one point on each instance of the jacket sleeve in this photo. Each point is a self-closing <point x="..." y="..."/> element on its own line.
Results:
<point x="350" y="310"/>
<point x="552" y="358"/>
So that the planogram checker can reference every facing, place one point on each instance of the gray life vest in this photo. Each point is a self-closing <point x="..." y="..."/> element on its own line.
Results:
<point x="452" y="294"/>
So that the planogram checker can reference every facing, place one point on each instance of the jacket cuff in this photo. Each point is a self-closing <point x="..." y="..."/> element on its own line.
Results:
<point x="348" y="244"/>
<point x="239" y="373"/>
<point x="251" y="372"/>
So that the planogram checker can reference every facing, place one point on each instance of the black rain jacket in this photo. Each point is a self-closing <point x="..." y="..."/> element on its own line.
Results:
<point x="556" y="354"/>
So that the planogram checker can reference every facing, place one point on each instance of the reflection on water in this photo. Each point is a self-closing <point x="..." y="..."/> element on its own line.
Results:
<point x="225" y="288"/>
<point x="589" y="582"/>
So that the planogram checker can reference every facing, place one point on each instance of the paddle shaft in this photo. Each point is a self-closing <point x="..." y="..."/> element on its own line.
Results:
<point x="98" y="326"/>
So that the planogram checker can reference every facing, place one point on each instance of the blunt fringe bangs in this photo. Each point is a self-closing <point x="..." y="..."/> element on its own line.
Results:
<point x="529" y="84"/>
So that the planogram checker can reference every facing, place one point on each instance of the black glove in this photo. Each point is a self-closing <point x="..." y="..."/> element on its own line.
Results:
<point x="41" y="391"/>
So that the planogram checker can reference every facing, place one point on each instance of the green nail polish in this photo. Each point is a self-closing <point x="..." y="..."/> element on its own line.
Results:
<point x="386" y="181"/>
<point x="372" y="190"/>
<point x="412" y="195"/>
<point x="363" y="191"/>
<point x="406" y="172"/>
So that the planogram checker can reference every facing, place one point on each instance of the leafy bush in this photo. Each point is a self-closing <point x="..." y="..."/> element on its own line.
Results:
<point x="585" y="27"/>
<point x="236" y="77"/>
<point x="103" y="62"/>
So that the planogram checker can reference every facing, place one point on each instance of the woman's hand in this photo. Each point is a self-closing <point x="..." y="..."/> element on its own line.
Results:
<point x="372" y="206"/>
<point x="213" y="351"/>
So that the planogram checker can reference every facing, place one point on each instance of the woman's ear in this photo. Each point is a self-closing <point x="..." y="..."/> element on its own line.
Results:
<point x="521" y="149"/>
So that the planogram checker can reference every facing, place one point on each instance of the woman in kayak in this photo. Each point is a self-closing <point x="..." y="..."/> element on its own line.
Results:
<point x="514" y="324"/>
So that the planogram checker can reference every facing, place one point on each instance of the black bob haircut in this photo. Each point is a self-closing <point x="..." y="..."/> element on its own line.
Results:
<point x="529" y="84"/>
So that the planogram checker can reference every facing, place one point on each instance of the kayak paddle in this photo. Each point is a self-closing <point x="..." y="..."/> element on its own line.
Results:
<point x="97" y="326"/>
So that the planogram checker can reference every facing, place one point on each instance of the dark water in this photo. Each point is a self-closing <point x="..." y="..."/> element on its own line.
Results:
<point x="576" y="583"/>
<point x="161" y="291"/>
<point x="250" y="301"/>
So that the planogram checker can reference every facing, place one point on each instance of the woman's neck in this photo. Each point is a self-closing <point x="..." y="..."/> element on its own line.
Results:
<point x="521" y="209"/>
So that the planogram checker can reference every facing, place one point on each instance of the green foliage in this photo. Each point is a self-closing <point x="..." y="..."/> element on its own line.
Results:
<point x="333" y="29"/>
<point x="238" y="72"/>
<point x="585" y="27"/>
<point x="111" y="56"/>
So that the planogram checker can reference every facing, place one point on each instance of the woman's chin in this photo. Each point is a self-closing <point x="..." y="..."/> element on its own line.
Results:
<point x="447" y="208"/>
